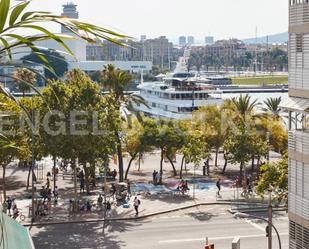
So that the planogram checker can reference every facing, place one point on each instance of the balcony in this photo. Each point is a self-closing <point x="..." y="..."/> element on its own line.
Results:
<point x="299" y="141"/>
<point x="299" y="14"/>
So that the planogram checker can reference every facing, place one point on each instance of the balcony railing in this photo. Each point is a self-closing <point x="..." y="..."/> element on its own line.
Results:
<point x="299" y="141"/>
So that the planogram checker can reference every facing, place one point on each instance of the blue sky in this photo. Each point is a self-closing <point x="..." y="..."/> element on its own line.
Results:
<point x="219" y="18"/>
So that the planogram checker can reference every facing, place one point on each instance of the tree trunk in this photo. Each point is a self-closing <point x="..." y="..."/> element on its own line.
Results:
<point x="216" y="158"/>
<point x="54" y="169"/>
<point x="86" y="178"/>
<point x="171" y="162"/>
<point x="129" y="165"/>
<point x="3" y="183"/>
<point x="252" y="163"/>
<point x="181" y="167"/>
<point x="225" y="164"/>
<point x="73" y="164"/>
<point x="139" y="162"/>
<point x="120" y="158"/>
<point x="245" y="177"/>
<point x="28" y="177"/>
<point x="241" y="173"/>
<point x="161" y="167"/>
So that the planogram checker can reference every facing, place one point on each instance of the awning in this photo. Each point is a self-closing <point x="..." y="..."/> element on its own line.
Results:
<point x="13" y="234"/>
<point x="295" y="105"/>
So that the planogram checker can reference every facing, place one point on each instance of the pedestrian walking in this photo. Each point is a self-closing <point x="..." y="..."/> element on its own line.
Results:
<point x="129" y="189"/>
<point x="82" y="185"/>
<point x="108" y="209"/>
<point x="9" y="204"/>
<point x="218" y="184"/>
<point x="47" y="183"/>
<point x="136" y="204"/>
<point x="154" y="177"/>
<point x="158" y="177"/>
<point x="100" y="202"/>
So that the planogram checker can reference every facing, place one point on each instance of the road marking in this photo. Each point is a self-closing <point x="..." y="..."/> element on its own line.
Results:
<point x="255" y="225"/>
<point x="214" y="238"/>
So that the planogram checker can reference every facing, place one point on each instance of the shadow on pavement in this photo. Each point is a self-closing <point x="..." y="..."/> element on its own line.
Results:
<point x="83" y="235"/>
<point x="169" y="198"/>
<point x="201" y="216"/>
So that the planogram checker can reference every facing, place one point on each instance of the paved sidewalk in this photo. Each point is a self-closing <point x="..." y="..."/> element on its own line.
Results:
<point x="153" y="199"/>
<point x="151" y="204"/>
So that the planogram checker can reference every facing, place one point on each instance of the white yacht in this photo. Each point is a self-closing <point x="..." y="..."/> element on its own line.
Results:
<point x="177" y="96"/>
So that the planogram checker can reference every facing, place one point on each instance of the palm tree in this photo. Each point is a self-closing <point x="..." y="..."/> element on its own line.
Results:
<point x="23" y="77"/>
<point x="14" y="19"/>
<point x="272" y="107"/>
<point x="243" y="109"/>
<point x="244" y="106"/>
<point x="116" y="82"/>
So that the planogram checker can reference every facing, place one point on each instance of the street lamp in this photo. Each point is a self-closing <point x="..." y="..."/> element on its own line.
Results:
<point x="33" y="160"/>
<point x="243" y="215"/>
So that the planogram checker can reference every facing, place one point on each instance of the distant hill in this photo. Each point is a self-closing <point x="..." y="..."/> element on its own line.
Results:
<point x="276" y="38"/>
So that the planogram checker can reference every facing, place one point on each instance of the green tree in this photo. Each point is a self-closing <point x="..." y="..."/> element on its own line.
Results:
<point x="194" y="148"/>
<point x="116" y="81"/>
<point x="272" y="107"/>
<point x="274" y="175"/>
<point x="32" y="123"/>
<point x="12" y="143"/>
<point x="208" y="119"/>
<point x="136" y="143"/>
<point x="14" y="19"/>
<point x="86" y="99"/>
<point x="56" y="97"/>
<point x="24" y="79"/>
<point x="242" y="141"/>
<point x="169" y="138"/>
<point x="56" y="61"/>
<point x="197" y="59"/>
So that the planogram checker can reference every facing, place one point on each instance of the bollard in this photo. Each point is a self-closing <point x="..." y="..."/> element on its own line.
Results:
<point x="236" y="243"/>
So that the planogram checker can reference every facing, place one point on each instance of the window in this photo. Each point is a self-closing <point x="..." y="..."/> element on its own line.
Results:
<point x="294" y="2"/>
<point x="299" y="43"/>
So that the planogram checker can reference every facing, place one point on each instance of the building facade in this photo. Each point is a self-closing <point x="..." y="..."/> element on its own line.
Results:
<point x="109" y="51"/>
<point x="190" y="40"/>
<point x="159" y="51"/>
<point x="209" y="40"/>
<point x="182" y="41"/>
<point x="298" y="108"/>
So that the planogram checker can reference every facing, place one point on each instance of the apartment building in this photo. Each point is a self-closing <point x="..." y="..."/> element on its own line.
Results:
<point x="298" y="108"/>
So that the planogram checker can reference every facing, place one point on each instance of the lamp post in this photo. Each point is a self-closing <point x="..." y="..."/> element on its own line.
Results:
<point x="268" y="149"/>
<point x="270" y="217"/>
<point x="33" y="159"/>
<point x="270" y="224"/>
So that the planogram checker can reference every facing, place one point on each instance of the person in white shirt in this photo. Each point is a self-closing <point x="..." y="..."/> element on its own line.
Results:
<point x="136" y="204"/>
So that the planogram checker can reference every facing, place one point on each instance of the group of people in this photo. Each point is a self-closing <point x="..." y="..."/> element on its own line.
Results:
<point x="10" y="205"/>
<point x="80" y="206"/>
<point x="247" y="185"/>
<point x="107" y="204"/>
<point x="156" y="176"/>
<point x="183" y="186"/>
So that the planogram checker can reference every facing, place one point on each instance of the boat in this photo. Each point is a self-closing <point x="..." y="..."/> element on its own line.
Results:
<point x="176" y="97"/>
<point x="178" y="94"/>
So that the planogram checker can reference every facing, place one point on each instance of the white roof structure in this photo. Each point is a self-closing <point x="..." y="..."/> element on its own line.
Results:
<point x="296" y="105"/>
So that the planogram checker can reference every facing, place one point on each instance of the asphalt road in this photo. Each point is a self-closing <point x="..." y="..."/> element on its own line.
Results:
<point x="181" y="230"/>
